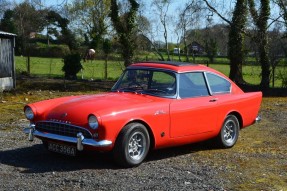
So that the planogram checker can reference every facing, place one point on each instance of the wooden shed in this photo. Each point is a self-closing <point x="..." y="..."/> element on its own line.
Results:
<point x="7" y="62"/>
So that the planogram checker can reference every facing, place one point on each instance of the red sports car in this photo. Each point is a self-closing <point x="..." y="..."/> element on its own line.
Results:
<point x="153" y="105"/>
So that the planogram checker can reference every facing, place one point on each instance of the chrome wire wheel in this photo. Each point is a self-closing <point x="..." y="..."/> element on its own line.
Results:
<point x="137" y="145"/>
<point x="132" y="145"/>
<point x="229" y="132"/>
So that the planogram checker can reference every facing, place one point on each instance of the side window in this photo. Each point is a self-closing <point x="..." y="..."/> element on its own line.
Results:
<point x="163" y="78"/>
<point x="192" y="85"/>
<point x="218" y="85"/>
<point x="164" y="82"/>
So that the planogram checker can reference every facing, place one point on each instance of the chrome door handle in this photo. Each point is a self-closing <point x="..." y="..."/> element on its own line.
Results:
<point x="213" y="100"/>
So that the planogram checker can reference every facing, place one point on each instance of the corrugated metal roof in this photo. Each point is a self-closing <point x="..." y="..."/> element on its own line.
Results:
<point x="2" y="33"/>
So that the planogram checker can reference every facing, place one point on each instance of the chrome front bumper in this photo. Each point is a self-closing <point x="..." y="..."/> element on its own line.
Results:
<point x="80" y="140"/>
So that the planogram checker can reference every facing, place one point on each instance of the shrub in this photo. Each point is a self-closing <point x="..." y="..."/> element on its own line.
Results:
<point x="52" y="51"/>
<point x="72" y="65"/>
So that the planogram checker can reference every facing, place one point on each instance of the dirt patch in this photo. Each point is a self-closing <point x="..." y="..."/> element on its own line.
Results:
<point x="257" y="162"/>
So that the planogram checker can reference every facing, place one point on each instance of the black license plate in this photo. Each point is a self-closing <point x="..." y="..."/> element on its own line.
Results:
<point x="62" y="149"/>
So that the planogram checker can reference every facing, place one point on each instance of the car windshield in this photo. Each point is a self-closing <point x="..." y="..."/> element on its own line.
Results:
<point x="158" y="83"/>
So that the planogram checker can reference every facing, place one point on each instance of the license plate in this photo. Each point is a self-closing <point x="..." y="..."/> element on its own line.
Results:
<point x="62" y="149"/>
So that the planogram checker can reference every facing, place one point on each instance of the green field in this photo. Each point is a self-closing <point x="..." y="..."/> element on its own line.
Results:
<point x="52" y="67"/>
<point x="94" y="70"/>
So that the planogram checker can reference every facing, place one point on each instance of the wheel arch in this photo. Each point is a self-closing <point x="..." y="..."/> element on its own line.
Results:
<point x="238" y="116"/>
<point x="150" y="132"/>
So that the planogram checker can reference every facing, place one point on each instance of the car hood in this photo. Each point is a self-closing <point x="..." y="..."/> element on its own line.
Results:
<point x="77" y="109"/>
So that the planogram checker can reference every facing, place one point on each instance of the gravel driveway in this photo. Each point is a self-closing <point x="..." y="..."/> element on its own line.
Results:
<point x="28" y="166"/>
<point x="257" y="162"/>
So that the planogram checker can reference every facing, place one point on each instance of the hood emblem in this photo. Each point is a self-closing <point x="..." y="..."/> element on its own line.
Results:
<point x="64" y="115"/>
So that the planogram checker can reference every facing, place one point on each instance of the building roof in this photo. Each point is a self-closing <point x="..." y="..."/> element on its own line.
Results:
<point x="6" y="34"/>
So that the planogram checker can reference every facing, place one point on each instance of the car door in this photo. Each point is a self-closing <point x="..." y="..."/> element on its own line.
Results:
<point x="195" y="111"/>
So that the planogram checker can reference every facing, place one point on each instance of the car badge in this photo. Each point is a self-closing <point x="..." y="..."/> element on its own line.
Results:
<point x="159" y="112"/>
<point x="64" y="115"/>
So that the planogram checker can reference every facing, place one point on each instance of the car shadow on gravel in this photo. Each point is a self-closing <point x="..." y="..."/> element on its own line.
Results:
<point x="182" y="150"/>
<point x="36" y="159"/>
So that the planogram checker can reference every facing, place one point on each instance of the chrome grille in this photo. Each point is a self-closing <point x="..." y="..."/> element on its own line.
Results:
<point x="62" y="129"/>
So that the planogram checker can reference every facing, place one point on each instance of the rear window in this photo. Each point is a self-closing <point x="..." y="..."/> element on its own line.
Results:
<point x="218" y="85"/>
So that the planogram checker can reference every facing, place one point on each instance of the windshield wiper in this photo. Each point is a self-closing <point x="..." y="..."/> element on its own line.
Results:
<point x="128" y="90"/>
<point x="155" y="91"/>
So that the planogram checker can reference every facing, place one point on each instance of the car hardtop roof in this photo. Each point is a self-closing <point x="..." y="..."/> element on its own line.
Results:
<point x="171" y="65"/>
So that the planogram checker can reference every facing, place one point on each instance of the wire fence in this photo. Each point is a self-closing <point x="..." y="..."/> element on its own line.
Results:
<point x="94" y="69"/>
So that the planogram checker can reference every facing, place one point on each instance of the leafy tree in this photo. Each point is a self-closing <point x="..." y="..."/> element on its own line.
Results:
<point x="7" y="22"/>
<point x="125" y="26"/>
<point x="55" y="20"/>
<point x="91" y="17"/>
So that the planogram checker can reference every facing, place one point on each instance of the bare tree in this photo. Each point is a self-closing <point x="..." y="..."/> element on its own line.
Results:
<point x="162" y="7"/>
<point x="4" y="5"/>
<point x="277" y="49"/>
<point x="145" y="29"/>
<point x="283" y="9"/>
<point x="187" y="19"/>
<point x="28" y="21"/>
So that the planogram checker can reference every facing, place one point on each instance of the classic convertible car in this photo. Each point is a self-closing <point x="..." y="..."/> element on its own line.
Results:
<point x="153" y="105"/>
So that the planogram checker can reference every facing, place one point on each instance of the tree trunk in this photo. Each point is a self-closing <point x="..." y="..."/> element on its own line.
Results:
<point x="261" y="22"/>
<point x="106" y="67"/>
<point x="264" y="60"/>
<point x="236" y="41"/>
<point x="186" y="48"/>
<point x="236" y="46"/>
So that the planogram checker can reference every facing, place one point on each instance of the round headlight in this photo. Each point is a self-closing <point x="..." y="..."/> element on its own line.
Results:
<point x="93" y="122"/>
<point x="29" y="113"/>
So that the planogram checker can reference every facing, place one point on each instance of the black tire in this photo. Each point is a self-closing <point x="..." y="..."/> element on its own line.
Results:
<point x="229" y="132"/>
<point x="45" y="144"/>
<point x="132" y="145"/>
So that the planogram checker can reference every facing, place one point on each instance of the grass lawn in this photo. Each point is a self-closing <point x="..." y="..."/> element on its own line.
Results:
<point x="52" y="67"/>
